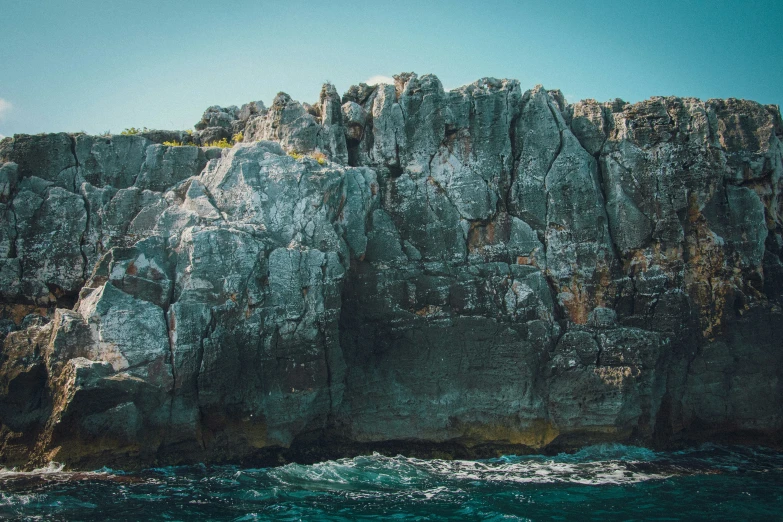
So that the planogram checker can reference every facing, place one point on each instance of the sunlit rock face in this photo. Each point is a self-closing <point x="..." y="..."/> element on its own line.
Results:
<point x="402" y="268"/>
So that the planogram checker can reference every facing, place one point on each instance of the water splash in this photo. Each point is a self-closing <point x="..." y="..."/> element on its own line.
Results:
<point x="52" y="467"/>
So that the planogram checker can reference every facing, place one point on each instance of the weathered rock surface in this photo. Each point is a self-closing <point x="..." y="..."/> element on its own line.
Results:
<point x="440" y="272"/>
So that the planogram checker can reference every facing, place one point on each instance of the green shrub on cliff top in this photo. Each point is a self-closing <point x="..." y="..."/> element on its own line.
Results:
<point x="130" y="131"/>
<point x="223" y="144"/>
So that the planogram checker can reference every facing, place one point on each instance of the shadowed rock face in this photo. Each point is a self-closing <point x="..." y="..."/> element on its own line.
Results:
<point x="456" y="273"/>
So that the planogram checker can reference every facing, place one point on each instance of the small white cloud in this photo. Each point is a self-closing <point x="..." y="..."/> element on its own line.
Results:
<point x="2" y="137"/>
<point x="5" y="106"/>
<point x="379" y="78"/>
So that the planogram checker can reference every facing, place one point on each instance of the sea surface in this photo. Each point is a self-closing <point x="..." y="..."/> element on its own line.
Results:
<point x="606" y="482"/>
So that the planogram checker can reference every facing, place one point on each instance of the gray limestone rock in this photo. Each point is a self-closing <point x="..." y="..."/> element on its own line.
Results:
<point x="42" y="155"/>
<point x="458" y="272"/>
<point x="355" y="120"/>
<point x="332" y="135"/>
<point x="111" y="160"/>
<point x="538" y="139"/>
<point x="217" y="116"/>
<point x="166" y="166"/>
<point x="9" y="177"/>
<point x="128" y="333"/>
<point x="287" y="122"/>
<point x="50" y="223"/>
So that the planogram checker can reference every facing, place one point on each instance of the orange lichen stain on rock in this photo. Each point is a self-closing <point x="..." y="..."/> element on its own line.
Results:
<point x="636" y="262"/>
<point x="131" y="270"/>
<point x="708" y="281"/>
<point x="605" y="285"/>
<point x="694" y="214"/>
<point x="576" y="302"/>
<point x="584" y="292"/>
<point x="438" y="188"/>
<point x="535" y="434"/>
<point x="615" y="375"/>
<point x="480" y="235"/>
<point x="669" y="258"/>
<point x="17" y="312"/>
<point x="524" y="260"/>
<point x="428" y="311"/>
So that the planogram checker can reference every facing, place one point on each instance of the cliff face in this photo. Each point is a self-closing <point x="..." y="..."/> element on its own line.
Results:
<point x="459" y="272"/>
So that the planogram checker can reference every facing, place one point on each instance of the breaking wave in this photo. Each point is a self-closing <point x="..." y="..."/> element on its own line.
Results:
<point x="603" y="482"/>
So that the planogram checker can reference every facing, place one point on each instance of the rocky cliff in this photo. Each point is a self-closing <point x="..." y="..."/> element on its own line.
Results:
<point x="402" y="268"/>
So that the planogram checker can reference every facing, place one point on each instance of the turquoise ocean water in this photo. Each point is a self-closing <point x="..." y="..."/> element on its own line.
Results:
<point x="607" y="482"/>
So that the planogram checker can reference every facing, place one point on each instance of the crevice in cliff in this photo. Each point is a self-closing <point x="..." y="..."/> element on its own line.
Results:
<point x="169" y="330"/>
<point x="72" y="139"/>
<point x="12" y="249"/>
<point x="352" y="147"/>
<point x="396" y="170"/>
<point x="367" y="144"/>
<point x="88" y="211"/>
<point x="323" y="340"/>
<point x="559" y="147"/>
<point x="545" y="239"/>
<point x="141" y="167"/>
<point x="83" y="240"/>
<point x="559" y="314"/>
<point x="441" y="188"/>
<point x="516" y="154"/>
<point x="212" y="202"/>
<point x="603" y="189"/>
<point x="208" y="329"/>
<point x="167" y="319"/>
<point x="327" y="364"/>
<point x="600" y="349"/>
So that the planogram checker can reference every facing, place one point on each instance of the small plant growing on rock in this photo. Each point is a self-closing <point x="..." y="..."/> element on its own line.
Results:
<point x="318" y="156"/>
<point x="223" y="144"/>
<point x="176" y="143"/>
<point x="239" y="136"/>
<point x="130" y="131"/>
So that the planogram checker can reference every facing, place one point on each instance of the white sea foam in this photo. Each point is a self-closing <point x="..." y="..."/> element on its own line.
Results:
<point x="51" y="468"/>
<point x="540" y="472"/>
<point x="586" y="467"/>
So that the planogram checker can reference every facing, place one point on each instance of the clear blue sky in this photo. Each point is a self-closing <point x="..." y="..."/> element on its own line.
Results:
<point x="106" y="65"/>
